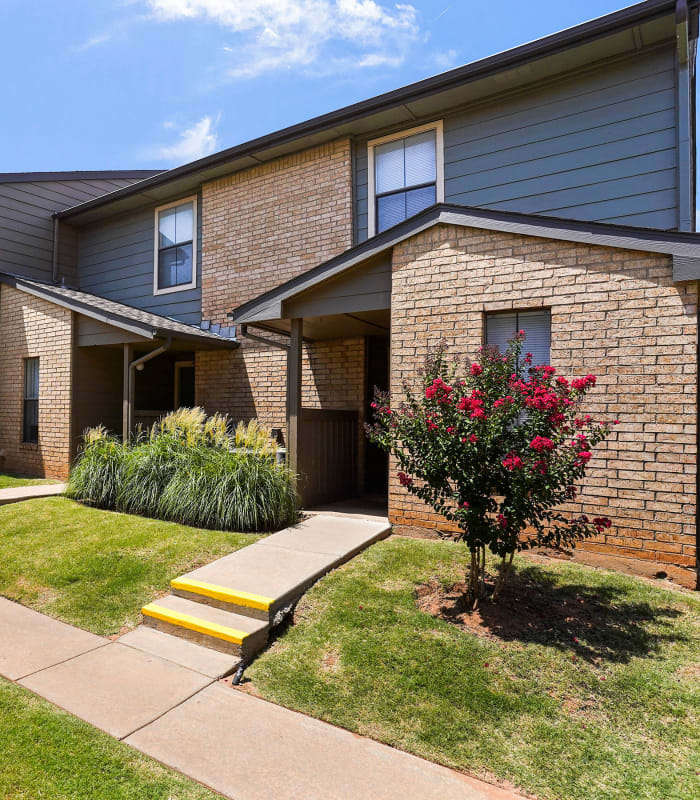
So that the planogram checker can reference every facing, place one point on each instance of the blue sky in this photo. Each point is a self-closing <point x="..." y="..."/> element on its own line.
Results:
<point x="119" y="84"/>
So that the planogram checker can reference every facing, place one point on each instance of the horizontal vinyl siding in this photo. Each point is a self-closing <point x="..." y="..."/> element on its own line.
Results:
<point x="599" y="146"/>
<point x="26" y="224"/>
<point x="115" y="260"/>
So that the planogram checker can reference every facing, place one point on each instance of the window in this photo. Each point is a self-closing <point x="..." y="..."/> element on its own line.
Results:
<point x="30" y="411"/>
<point x="175" y="252"/>
<point x="536" y="324"/>
<point x="405" y="175"/>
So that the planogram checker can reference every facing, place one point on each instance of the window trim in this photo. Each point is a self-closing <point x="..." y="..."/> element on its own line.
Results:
<point x="436" y="126"/>
<point x="156" y="249"/>
<point x="26" y="399"/>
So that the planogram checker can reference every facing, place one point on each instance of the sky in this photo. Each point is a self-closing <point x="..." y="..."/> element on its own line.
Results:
<point x="150" y="84"/>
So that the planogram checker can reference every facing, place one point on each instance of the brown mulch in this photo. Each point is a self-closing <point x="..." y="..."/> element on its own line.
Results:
<point x="595" y="624"/>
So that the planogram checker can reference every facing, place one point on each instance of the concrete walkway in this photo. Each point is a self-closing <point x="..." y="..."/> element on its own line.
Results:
<point x="159" y="692"/>
<point x="16" y="493"/>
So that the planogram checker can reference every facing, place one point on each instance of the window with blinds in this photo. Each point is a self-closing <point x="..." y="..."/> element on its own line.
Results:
<point x="175" y="254"/>
<point x="500" y="327"/>
<point x="30" y="411"/>
<point x="406" y="175"/>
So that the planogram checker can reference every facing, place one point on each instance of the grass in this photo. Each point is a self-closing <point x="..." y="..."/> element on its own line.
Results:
<point x="10" y="481"/>
<point x="610" y="715"/>
<point x="47" y="753"/>
<point x="93" y="568"/>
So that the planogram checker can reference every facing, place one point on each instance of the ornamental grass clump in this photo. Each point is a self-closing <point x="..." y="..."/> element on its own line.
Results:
<point x="191" y="469"/>
<point x="495" y="452"/>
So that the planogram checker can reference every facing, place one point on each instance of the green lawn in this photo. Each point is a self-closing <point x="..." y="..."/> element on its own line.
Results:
<point x="47" y="753"/>
<point x="96" y="569"/>
<point x="599" y="701"/>
<point x="10" y="481"/>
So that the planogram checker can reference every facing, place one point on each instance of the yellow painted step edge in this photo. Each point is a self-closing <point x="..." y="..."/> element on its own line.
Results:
<point x="194" y="624"/>
<point x="246" y="599"/>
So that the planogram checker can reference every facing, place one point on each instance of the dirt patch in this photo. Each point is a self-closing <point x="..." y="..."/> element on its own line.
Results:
<point x="595" y="624"/>
<point x="690" y="673"/>
<point x="330" y="661"/>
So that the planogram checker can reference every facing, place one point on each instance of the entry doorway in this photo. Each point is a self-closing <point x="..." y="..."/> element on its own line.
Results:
<point x="376" y="470"/>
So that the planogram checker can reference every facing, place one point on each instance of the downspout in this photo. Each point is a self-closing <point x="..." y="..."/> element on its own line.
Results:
<point x="684" y="126"/>
<point x="54" y="250"/>
<point x="133" y="366"/>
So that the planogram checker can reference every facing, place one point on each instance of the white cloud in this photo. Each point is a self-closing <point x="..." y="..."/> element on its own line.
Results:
<point x="321" y="35"/>
<point x="445" y="59"/>
<point x="196" y="142"/>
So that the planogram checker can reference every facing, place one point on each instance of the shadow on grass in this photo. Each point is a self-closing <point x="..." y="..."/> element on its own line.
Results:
<point x="595" y="623"/>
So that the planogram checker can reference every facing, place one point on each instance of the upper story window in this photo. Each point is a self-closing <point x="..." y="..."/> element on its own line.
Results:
<point x="500" y="327"/>
<point x="30" y="410"/>
<point x="175" y="254"/>
<point x="406" y="175"/>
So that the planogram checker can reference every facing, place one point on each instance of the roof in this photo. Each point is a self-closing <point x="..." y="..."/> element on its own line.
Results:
<point x="79" y="175"/>
<point x="683" y="247"/>
<point x="605" y="37"/>
<point x="119" y="315"/>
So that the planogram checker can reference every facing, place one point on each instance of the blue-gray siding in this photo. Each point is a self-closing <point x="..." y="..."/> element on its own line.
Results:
<point x="115" y="260"/>
<point x="596" y="146"/>
<point x="26" y="224"/>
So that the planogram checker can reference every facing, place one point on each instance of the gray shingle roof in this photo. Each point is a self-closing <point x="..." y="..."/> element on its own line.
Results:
<point x="134" y="320"/>
<point x="684" y="247"/>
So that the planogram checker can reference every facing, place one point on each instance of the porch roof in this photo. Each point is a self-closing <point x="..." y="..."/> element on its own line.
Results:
<point x="132" y="320"/>
<point x="278" y="304"/>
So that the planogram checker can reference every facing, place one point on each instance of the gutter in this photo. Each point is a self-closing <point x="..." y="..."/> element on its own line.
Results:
<point x="54" y="248"/>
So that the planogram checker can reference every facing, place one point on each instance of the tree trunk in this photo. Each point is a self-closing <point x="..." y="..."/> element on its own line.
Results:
<point x="503" y="572"/>
<point x="475" y="579"/>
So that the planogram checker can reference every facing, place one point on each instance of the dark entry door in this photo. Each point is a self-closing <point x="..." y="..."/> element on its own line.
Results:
<point x="376" y="460"/>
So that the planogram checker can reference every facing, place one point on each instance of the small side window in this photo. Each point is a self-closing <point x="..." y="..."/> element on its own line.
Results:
<point x="30" y="411"/>
<point x="500" y="327"/>
<point x="175" y="253"/>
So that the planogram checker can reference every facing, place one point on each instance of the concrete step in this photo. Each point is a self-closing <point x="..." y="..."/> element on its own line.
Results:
<point x="206" y="625"/>
<point x="200" y="659"/>
<point x="264" y="578"/>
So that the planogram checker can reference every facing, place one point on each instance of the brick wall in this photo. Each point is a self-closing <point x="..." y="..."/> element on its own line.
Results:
<point x="261" y="227"/>
<point x="264" y="225"/>
<point x="31" y="327"/>
<point x="616" y="314"/>
<point x="252" y="381"/>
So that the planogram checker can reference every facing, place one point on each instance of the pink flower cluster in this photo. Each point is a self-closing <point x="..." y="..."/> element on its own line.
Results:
<point x="581" y="384"/>
<point x="512" y="461"/>
<point x="473" y="404"/>
<point x="438" y="390"/>
<point x="405" y="480"/>
<point x="541" y="444"/>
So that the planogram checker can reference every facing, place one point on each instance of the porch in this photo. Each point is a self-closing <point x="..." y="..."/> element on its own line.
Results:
<point x="326" y="444"/>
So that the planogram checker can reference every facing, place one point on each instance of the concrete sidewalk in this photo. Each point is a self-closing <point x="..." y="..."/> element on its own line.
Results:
<point x="17" y="493"/>
<point x="241" y="746"/>
<point x="156" y="688"/>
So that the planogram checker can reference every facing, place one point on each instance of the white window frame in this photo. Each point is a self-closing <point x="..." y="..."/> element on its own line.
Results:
<point x="183" y="286"/>
<point x="436" y="126"/>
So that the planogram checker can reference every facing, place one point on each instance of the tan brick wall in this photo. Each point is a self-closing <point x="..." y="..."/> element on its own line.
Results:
<point x="252" y="381"/>
<point x="261" y="227"/>
<point x="616" y="314"/>
<point x="31" y="327"/>
<point x="267" y="224"/>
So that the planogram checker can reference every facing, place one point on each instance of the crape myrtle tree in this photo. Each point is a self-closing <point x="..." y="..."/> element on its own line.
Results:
<point x="495" y="452"/>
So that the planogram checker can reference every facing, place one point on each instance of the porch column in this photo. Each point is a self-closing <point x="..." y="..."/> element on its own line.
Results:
<point x="294" y="394"/>
<point x="127" y="394"/>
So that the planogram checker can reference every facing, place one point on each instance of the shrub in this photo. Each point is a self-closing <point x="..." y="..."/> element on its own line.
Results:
<point x="96" y="476"/>
<point x="494" y="452"/>
<point x="192" y="469"/>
